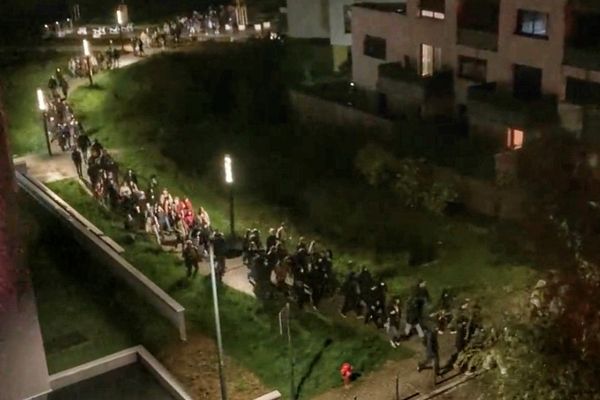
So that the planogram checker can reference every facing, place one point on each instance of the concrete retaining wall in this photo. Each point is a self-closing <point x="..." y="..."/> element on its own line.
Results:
<point x="126" y="357"/>
<point x="310" y="109"/>
<point x="107" y="251"/>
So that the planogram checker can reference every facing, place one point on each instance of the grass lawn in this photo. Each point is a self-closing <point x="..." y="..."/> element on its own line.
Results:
<point x="250" y="331"/>
<point x="81" y="307"/>
<point x="19" y="80"/>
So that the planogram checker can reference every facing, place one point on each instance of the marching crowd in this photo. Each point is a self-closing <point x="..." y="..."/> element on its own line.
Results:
<point x="301" y="271"/>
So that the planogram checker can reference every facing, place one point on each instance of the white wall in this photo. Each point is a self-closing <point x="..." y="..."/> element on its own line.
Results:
<point x="308" y="19"/>
<point x="336" y="20"/>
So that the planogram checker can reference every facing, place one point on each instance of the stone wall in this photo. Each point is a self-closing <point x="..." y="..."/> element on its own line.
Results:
<point x="312" y="109"/>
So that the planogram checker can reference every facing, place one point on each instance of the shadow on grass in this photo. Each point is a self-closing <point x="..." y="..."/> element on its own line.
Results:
<point x="311" y="367"/>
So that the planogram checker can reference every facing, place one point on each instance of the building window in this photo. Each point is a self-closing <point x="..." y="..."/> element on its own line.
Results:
<point x="431" y="59"/>
<point x="375" y="47"/>
<point x="515" y="138"/>
<point x="474" y="69"/>
<point x="432" y="9"/>
<point x="582" y="92"/>
<point x="532" y="23"/>
<point x="348" y="18"/>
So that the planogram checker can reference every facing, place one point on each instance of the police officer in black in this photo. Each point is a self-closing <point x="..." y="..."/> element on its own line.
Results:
<point x="220" y="254"/>
<point x="351" y="292"/>
<point x="316" y="280"/>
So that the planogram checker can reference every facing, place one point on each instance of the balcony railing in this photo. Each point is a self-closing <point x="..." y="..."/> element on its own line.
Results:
<point x="439" y="84"/>
<point x="478" y="39"/>
<point x="501" y="105"/>
<point x="586" y="58"/>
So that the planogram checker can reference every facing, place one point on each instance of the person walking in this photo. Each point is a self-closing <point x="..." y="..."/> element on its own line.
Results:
<point x="78" y="161"/>
<point x="432" y="357"/>
<point x="351" y="292"/>
<point x="191" y="258"/>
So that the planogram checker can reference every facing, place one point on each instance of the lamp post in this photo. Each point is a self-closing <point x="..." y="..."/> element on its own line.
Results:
<point x="229" y="180"/>
<point x="211" y="253"/>
<point x="87" y="54"/>
<point x="43" y="107"/>
<point x="120" y="22"/>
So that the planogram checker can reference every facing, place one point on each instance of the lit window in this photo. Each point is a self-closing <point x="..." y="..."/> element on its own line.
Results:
<point x="432" y="14"/>
<point x="515" y="138"/>
<point x="432" y="9"/>
<point x="532" y="23"/>
<point x="431" y="59"/>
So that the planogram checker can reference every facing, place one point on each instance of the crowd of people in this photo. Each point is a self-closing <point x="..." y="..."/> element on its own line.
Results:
<point x="302" y="271"/>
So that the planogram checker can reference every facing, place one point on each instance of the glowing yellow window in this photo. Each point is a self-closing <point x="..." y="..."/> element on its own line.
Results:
<point x="515" y="138"/>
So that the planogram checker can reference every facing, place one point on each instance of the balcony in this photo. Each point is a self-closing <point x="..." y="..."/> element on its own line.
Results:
<point x="478" y="39"/>
<point x="586" y="58"/>
<point x="495" y="105"/>
<point x="395" y="79"/>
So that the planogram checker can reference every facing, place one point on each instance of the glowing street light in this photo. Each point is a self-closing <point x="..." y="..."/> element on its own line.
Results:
<point x="228" y="171"/>
<point x="120" y="23"/>
<point x="87" y="54"/>
<point x="43" y="107"/>
<point x="228" y="165"/>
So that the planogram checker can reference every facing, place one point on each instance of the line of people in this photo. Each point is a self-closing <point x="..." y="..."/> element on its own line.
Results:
<point x="303" y="272"/>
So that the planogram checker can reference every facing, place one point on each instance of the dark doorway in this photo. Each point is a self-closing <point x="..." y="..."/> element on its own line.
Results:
<point x="527" y="82"/>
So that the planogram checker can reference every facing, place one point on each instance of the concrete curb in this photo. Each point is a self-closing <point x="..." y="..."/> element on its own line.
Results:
<point x="94" y="240"/>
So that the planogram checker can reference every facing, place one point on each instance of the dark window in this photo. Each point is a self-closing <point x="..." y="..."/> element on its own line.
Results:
<point x="532" y="23"/>
<point x="348" y="18"/>
<point x="432" y="9"/>
<point x="527" y="82"/>
<point x="479" y="15"/>
<point x="582" y="92"/>
<point x="471" y="68"/>
<point x="584" y="31"/>
<point x="375" y="47"/>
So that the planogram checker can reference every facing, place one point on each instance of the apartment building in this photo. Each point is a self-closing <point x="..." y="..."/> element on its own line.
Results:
<point x="514" y="68"/>
<point x="324" y="19"/>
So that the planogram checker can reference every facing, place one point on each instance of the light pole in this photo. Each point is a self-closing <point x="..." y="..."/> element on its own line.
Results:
<point x="285" y="313"/>
<point x="120" y="22"/>
<point x="43" y="107"/>
<point x="87" y="54"/>
<point x="229" y="180"/>
<point x="213" y="278"/>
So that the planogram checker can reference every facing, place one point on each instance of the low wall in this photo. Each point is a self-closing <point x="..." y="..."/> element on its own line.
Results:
<point x="90" y="237"/>
<point x="485" y="198"/>
<point x="111" y="362"/>
<point x="308" y="108"/>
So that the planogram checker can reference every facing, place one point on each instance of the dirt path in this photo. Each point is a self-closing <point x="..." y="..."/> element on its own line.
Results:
<point x="194" y="363"/>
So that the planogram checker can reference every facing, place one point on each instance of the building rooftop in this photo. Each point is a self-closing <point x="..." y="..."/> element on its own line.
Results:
<point x="399" y="8"/>
<point x="131" y="382"/>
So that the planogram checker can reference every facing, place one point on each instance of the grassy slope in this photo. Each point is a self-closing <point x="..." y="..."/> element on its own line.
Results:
<point x="76" y="295"/>
<point x="169" y="127"/>
<point x="251" y="333"/>
<point x="19" y="81"/>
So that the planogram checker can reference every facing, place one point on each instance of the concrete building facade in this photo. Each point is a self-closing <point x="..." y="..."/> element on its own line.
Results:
<point x="514" y="67"/>
<point x="324" y="19"/>
<point x="308" y="19"/>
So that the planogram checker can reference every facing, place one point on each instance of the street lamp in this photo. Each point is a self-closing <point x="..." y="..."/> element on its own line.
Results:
<point x="87" y="54"/>
<point x="120" y="23"/>
<point x="211" y="254"/>
<point x="229" y="180"/>
<point x="43" y="107"/>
